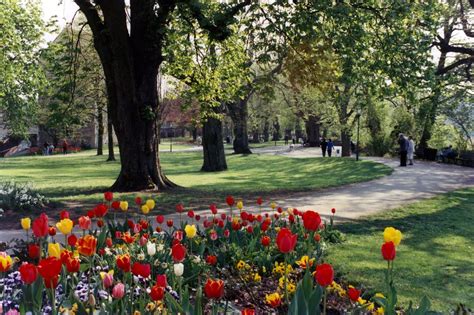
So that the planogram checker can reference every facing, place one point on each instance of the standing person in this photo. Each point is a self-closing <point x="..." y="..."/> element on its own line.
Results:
<point x="324" y="145"/>
<point x="65" y="145"/>
<point x="45" y="148"/>
<point x="411" y="150"/>
<point x="403" y="143"/>
<point x="330" y="146"/>
<point x="286" y="139"/>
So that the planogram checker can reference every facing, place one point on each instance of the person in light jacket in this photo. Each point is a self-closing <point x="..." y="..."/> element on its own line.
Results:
<point x="411" y="150"/>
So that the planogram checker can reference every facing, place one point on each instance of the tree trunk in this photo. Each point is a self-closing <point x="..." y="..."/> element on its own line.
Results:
<point x="346" y="143"/>
<point x="100" y="131"/>
<point x="313" y="125"/>
<point x="110" y="140"/>
<point x="276" y="130"/>
<point x="238" y="113"/>
<point x="255" y="136"/>
<point x="266" y="131"/>
<point x="194" y="132"/>
<point x="213" y="146"/>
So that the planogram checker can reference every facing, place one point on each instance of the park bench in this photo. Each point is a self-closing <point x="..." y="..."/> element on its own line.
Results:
<point x="466" y="159"/>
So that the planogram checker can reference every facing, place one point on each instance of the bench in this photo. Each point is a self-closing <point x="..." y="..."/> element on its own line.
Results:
<point x="466" y="159"/>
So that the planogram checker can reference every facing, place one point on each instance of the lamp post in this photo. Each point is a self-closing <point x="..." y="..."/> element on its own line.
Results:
<point x="171" y="138"/>
<point x="358" y="128"/>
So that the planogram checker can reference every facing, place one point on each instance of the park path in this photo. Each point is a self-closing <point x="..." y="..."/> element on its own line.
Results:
<point x="405" y="185"/>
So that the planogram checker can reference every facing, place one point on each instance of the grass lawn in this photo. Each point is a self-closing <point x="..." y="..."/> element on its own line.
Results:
<point x="81" y="177"/>
<point x="435" y="258"/>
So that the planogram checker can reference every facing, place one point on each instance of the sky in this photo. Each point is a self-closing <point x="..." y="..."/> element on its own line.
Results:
<point x="63" y="10"/>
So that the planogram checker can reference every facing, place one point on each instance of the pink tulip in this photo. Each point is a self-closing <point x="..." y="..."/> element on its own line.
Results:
<point x="108" y="280"/>
<point x="118" y="291"/>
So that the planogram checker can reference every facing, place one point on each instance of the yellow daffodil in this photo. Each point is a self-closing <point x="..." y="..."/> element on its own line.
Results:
<point x="150" y="203"/>
<point x="240" y="205"/>
<point x="65" y="226"/>
<point x="145" y="209"/>
<point x="391" y="234"/>
<point x="190" y="230"/>
<point x="54" y="250"/>
<point x="124" y="205"/>
<point x="25" y="223"/>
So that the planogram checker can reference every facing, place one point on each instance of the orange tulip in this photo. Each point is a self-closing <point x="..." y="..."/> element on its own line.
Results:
<point x="87" y="245"/>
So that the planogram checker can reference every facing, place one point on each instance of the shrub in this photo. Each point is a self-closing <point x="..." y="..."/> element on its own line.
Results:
<point x="16" y="196"/>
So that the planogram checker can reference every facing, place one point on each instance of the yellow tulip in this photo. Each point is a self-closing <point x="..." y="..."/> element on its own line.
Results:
<point x="65" y="226"/>
<point x="26" y="223"/>
<point x="273" y="205"/>
<point x="240" y="204"/>
<point x="145" y="209"/>
<point x="391" y="234"/>
<point x="150" y="203"/>
<point x="54" y="250"/>
<point x="190" y="230"/>
<point x="124" y="205"/>
<point x="5" y="262"/>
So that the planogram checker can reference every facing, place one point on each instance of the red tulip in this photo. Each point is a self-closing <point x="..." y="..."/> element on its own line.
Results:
<point x="178" y="252"/>
<point x="259" y="201"/>
<point x="250" y="229"/>
<point x="100" y="210"/>
<point x="85" y="222"/>
<point x="49" y="268"/>
<point x="220" y="224"/>
<point x="157" y="293"/>
<point x="214" y="289"/>
<point x="73" y="265"/>
<point x="40" y="226"/>
<point x="169" y="223"/>
<point x="179" y="208"/>
<point x="226" y="233"/>
<point x="191" y="214"/>
<point x="160" y="219"/>
<point x="354" y="294"/>
<point x="161" y="280"/>
<point x="72" y="240"/>
<point x="139" y="269"/>
<point x="230" y="201"/>
<point x="324" y="274"/>
<point x="388" y="251"/>
<point x="286" y="241"/>
<point x="91" y="214"/>
<point x="333" y="210"/>
<point x="311" y="220"/>
<point x="248" y="311"/>
<point x="123" y="262"/>
<point x="178" y="235"/>
<point x="213" y="208"/>
<point x="108" y="196"/>
<point x="52" y="231"/>
<point x="197" y="217"/>
<point x="211" y="260"/>
<point x="28" y="273"/>
<point x="116" y="205"/>
<point x="265" y="241"/>
<point x="317" y="237"/>
<point x="64" y="214"/>
<point x="33" y="251"/>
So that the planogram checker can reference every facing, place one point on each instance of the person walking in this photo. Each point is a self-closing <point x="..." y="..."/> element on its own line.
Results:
<point x="65" y="145"/>
<point x="411" y="150"/>
<point x="324" y="145"/>
<point x="403" y="144"/>
<point x="330" y="146"/>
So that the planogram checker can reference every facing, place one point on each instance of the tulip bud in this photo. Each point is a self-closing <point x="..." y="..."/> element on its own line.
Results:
<point x="178" y="269"/>
<point x="151" y="248"/>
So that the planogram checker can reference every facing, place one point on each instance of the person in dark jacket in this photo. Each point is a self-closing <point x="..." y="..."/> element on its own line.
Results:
<point x="330" y="146"/>
<point x="403" y="143"/>
<point x="324" y="146"/>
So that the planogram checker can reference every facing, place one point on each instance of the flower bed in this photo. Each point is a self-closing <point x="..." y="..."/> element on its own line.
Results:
<point x="119" y="260"/>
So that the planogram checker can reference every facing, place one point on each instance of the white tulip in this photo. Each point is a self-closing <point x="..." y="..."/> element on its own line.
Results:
<point x="151" y="248"/>
<point x="178" y="269"/>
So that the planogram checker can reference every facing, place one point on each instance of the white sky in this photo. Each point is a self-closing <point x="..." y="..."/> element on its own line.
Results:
<point x="63" y="10"/>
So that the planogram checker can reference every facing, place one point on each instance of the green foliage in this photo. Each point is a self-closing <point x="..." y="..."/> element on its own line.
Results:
<point x="21" y="77"/>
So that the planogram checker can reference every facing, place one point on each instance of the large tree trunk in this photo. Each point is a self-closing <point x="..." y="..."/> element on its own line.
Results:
<point x="266" y="130"/>
<point x="110" y="139"/>
<point x="313" y="125"/>
<point x="238" y="113"/>
<point x="346" y="142"/>
<point x="100" y="131"/>
<point x="213" y="146"/>
<point x="276" y="130"/>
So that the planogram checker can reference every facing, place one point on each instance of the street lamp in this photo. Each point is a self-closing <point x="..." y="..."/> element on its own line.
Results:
<point x="171" y="138"/>
<point x="358" y="128"/>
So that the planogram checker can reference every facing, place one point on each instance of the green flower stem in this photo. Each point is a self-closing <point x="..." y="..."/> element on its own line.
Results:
<point x="286" y="281"/>
<point x="325" y="300"/>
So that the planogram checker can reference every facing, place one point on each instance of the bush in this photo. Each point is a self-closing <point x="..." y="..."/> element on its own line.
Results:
<point x="15" y="196"/>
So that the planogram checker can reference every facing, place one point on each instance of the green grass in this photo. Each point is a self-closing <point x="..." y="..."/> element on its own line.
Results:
<point x="80" y="177"/>
<point x="435" y="258"/>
